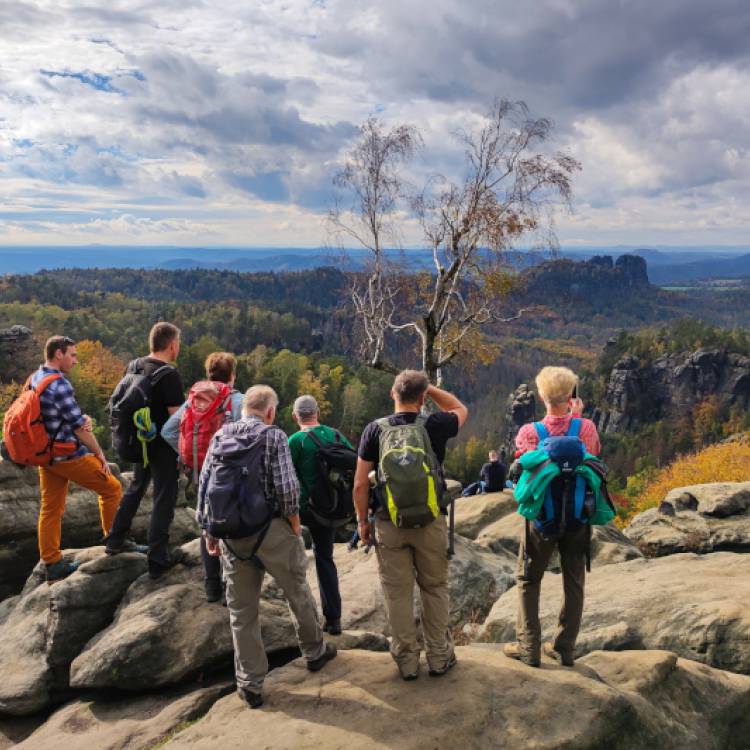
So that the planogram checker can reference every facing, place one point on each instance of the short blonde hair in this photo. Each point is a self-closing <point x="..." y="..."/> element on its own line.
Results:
<point x="555" y="384"/>
<point x="259" y="398"/>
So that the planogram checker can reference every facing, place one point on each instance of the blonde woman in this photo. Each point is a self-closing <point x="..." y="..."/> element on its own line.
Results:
<point x="556" y="387"/>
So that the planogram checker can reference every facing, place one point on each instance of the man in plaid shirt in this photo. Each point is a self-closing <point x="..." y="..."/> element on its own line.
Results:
<point x="76" y="454"/>
<point x="281" y="553"/>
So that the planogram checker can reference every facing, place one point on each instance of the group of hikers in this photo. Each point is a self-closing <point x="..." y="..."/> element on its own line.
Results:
<point x="255" y="488"/>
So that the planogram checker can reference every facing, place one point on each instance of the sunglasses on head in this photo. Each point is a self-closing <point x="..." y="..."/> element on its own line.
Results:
<point x="68" y="341"/>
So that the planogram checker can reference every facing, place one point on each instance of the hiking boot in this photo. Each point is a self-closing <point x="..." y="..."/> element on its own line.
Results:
<point x="333" y="627"/>
<point x="214" y="590"/>
<point x="566" y="659"/>
<point x="408" y="676"/>
<point x="61" y="569"/>
<point x="253" y="699"/>
<point x="156" y="571"/>
<point x="128" y="545"/>
<point x="315" y="665"/>
<point x="514" y="651"/>
<point x="439" y="672"/>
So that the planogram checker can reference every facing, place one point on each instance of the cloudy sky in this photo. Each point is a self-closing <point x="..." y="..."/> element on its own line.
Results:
<point x="192" y="122"/>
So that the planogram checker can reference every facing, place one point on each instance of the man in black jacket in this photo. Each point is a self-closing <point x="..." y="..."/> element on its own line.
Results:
<point x="493" y="473"/>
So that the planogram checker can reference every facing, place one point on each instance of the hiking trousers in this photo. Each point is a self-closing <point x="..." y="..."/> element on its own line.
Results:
<point x="54" y="480"/>
<point x="533" y="557"/>
<point x="405" y="556"/>
<point x="325" y="567"/>
<point x="162" y="469"/>
<point x="282" y="554"/>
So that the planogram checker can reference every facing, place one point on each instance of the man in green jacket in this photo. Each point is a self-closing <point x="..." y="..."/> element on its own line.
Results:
<point x="304" y="456"/>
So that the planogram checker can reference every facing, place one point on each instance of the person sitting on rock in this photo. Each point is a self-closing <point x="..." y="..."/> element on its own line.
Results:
<point x="221" y="368"/>
<point x="77" y="456"/>
<point x="279" y="550"/>
<point x="491" y="477"/>
<point x="556" y="387"/>
<point x="410" y="533"/>
<point x="304" y="452"/>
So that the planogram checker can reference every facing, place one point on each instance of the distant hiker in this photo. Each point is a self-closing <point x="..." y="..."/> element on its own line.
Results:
<point x="318" y="495"/>
<point x="249" y="490"/>
<point x="210" y="404"/>
<point x="410" y="528"/>
<point x="67" y="450"/>
<point x="491" y="477"/>
<point x="561" y="493"/>
<point x="148" y="394"/>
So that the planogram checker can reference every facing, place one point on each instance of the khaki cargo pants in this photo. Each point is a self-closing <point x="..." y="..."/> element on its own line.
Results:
<point x="529" y="576"/>
<point x="405" y="556"/>
<point x="283" y="556"/>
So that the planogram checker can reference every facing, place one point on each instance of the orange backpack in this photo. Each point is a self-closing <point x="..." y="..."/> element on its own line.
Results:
<point x="24" y="434"/>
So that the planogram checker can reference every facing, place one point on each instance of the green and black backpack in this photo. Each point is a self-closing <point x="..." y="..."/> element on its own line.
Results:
<point x="410" y="479"/>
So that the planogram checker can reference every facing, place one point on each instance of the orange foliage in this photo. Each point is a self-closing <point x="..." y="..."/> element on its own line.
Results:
<point x="99" y="365"/>
<point x="724" y="462"/>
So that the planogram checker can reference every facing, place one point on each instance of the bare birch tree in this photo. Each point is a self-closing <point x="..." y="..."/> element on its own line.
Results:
<point x="371" y="176"/>
<point x="508" y="192"/>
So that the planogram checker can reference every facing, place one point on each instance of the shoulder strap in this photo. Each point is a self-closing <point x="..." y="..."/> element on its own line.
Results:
<point x="574" y="429"/>
<point x="41" y="386"/>
<point x="157" y="375"/>
<point x="541" y="431"/>
<point x="315" y="438"/>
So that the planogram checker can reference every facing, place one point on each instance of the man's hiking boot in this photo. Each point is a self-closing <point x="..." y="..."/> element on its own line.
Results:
<point x="408" y="676"/>
<point x="439" y="672"/>
<point x="214" y="590"/>
<point x="155" y="571"/>
<point x="61" y="569"/>
<point x="314" y="665"/>
<point x="514" y="651"/>
<point x="127" y="546"/>
<point x="333" y="627"/>
<point x="254" y="700"/>
<point x="566" y="659"/>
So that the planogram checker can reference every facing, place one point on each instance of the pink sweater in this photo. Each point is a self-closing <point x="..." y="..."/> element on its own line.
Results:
<point x="528" y="440"/>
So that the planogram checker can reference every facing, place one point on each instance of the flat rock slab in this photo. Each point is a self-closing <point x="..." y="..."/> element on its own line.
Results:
<point x="618" y="701"/>
<point x="657" y="534"/>
<point x="119" y="723"/>
<point x="476" y="512"/>
<point x="608" y="544"/>
<point x="697" y="606"/>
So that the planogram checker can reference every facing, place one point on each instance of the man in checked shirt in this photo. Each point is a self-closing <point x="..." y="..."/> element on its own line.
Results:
<point x="281" y="553"/>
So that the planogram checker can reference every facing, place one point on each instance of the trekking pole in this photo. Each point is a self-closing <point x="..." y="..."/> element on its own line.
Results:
<point x="452" y="529"/>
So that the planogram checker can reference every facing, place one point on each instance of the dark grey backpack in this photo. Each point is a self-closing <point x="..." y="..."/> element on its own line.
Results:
<point x="233" y="502"/>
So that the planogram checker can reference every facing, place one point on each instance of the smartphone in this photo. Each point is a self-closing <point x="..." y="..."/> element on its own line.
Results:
<point x="575" y="391"/>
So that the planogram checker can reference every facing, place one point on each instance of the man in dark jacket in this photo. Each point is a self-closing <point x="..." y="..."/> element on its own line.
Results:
<point x="493" y="473"/>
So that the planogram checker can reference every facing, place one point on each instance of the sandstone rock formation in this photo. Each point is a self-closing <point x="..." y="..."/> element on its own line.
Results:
<point x="700" y="518"/>
<point x="19" y="510"/>
<point x="639" y="393"/>
<point x="695" y="605"/>
<point x="476" y="512"/>
<point x="19" y="354"/>
<point x="139" y="723"/>
<point x="519" y="411"/>
<point x="618" y="701"/>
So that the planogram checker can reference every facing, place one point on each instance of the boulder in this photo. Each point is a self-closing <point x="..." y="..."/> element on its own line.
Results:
<point x="19" y="511"/>
<point x="476" y="512"/>
<point x="133" y="723"/>
<point x="618" y="701"/>
<point x="657" y="534"/>
<point x="698" y="518"/>
<point x="49" y="625"/>
<point x="608" y="544"/>
<point x="719" y="500"/>
<point x="695" y="605"/>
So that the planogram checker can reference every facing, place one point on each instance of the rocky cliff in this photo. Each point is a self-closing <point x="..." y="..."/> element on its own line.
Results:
<point x="18" y="353"/>
<point x="670" y="387"/>
<point x="599" y="279"/>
